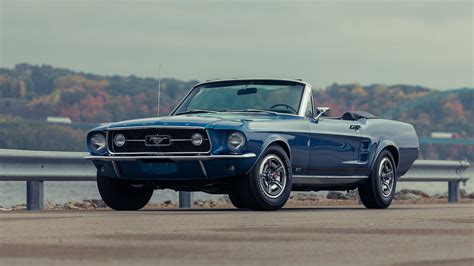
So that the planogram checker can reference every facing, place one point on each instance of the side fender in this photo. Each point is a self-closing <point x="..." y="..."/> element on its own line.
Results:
<point x="269" y="141"/>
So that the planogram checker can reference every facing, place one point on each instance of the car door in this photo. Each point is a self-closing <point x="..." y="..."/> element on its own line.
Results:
<point x="334" y="147"/>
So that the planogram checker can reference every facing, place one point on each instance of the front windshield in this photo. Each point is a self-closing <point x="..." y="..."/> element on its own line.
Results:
<point x="228" y="96"/>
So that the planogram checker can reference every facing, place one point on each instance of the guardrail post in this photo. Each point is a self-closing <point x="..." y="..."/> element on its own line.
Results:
<point x="453" y="191"/>
<point x="185" y="199"/>
<point x="34" y="195"/>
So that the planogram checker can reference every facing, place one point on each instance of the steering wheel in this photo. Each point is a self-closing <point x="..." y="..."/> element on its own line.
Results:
<point x="284" y="105"/>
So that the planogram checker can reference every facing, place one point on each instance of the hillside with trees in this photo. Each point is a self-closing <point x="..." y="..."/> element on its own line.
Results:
<point x="30" y="93"/>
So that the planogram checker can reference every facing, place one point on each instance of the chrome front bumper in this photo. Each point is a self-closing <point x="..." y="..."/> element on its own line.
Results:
<point x="171" y="157"/>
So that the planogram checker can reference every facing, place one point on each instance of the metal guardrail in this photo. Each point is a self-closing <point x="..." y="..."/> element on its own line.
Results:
<point x="35" y="167"/>
<point x="452" y="172"/>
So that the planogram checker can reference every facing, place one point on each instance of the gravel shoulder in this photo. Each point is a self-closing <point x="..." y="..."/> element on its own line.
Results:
<point x="333" y="198"/>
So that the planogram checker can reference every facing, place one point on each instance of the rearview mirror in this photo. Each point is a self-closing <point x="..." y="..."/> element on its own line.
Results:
<point x="322" y="111"/>
<point x="247" y="91"/>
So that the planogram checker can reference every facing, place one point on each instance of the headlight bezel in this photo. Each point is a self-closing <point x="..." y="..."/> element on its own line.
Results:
<point x="233" y="143"/>
<point x="94" y="143"/>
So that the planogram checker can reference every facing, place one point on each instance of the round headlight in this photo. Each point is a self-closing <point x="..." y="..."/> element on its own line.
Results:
<point x="119" y="140"/>
<point x="97" y="142"/>
<point x="236" y="141"/>
<point x="197" y="139"/>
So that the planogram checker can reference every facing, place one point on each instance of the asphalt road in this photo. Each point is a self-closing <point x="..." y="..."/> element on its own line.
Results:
<point x="401" y="235"/>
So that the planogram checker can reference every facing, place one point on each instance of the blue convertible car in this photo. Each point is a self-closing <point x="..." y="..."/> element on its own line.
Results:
<point x="255" y="140"/>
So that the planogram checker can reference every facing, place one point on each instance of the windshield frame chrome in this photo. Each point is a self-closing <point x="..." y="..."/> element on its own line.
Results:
<point x="303" y="103"/>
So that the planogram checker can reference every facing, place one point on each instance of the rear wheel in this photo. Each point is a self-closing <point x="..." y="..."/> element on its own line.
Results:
<point x="268" y="185"/>
<point x="378" y="191"/>
<point x="121" y="195"/>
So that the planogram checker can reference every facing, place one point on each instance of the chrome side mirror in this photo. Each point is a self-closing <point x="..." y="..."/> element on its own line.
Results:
<point x="321" y="111"/>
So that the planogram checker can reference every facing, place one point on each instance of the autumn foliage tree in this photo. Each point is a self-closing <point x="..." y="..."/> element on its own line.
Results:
<point x="29" y="93"/>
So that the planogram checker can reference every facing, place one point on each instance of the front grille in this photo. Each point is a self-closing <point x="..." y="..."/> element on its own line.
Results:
<point x="167" y="141"/>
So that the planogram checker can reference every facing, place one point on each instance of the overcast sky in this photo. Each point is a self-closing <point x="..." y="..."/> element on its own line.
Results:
<point x="427" y="43"/>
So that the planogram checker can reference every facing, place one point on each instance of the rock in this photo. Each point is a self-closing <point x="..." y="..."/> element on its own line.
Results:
<point x="351" y="195"/>
<point x="407" y="196"/>
<point x="212" y="203"/>
<point x="440" y="195"/>
<point x="410" y="194"/>
<point x="52" y="206"/>
<point x="298" y="197"/>
<point x="168" y="203"/>
<point x="335" y="195"/>
<point x="469" y="196"/>
<point x="19" y="207"/>
<point x="72" y="205"/>
<point x="84" y="205"/>
<point x="199" y="203"/>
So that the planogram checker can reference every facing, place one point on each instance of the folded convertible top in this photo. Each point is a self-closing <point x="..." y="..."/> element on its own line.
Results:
<point x="356" y="115"/>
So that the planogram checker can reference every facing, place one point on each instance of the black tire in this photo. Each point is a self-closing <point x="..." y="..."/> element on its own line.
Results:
<point x="250" y="187"/>
<point x="234" y="197"/>
<point x="374" y="193"/>
<point x="121" y="196"/>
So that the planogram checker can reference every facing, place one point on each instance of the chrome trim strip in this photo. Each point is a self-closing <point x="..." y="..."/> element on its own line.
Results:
<point x="245" y="79"/>
<point x="116" y="169"/>
<point x="182" y="100"/>
<point x="151" y="126"/>
<point x="177" y="140"/>
<point x="332" y="176"/>
<point x="203" y="168"/>
<point x="327" y="180"/>
<point x="157" y="153"/>
<point x="171" y="140"/>
<point x="304" y="101"/>
<point x="173" y="158"/>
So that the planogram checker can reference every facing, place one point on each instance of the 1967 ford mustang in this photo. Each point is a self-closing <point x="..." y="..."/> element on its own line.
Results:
<point x="255" y="140"/>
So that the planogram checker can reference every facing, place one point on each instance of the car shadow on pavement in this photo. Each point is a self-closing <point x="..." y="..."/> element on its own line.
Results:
<point x="292" y="209"/>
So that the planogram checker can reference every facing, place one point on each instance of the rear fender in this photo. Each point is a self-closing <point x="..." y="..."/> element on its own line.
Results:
<point x="384" y="144"/>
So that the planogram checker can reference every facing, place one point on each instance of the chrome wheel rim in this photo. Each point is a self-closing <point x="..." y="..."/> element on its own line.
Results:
<point x="272" y="176"/>
<point x="386" y="176"/>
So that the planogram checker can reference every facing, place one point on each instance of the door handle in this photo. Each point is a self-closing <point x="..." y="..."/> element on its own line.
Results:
<point x="355" y="127"/>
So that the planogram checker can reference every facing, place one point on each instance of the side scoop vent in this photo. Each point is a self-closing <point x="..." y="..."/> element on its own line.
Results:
<point x="364" y="150"/>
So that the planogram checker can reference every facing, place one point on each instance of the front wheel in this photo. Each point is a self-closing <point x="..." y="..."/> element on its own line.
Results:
<point x="236" y="200"/>
<point x="268" y="185"/>
<point x="122" y="196"/>
<point x="378" y="191"/>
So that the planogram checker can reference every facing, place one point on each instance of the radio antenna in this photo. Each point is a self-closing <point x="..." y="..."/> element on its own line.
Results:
<point x="159" y="88"/>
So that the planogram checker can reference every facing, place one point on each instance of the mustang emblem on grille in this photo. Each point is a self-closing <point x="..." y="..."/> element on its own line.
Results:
<point x="157" y="140"/>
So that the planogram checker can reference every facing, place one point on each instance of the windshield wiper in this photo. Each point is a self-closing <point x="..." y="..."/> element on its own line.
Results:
<point x="196" y="111"/>
<point x="253" y="111"/>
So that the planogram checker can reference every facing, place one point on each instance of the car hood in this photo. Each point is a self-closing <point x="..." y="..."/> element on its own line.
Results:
<point x="216" y="121"/>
